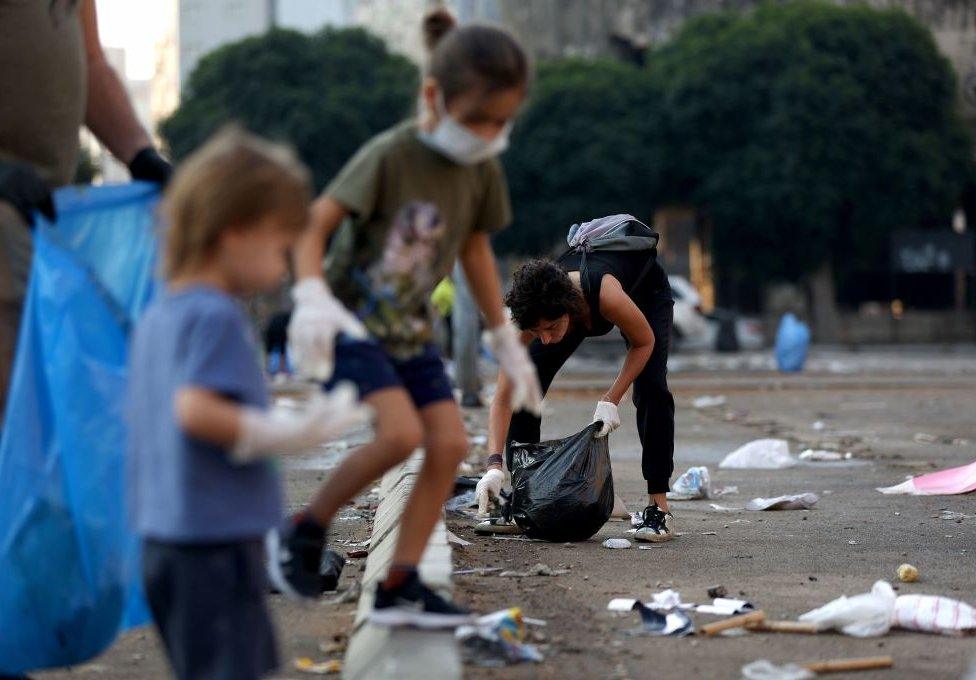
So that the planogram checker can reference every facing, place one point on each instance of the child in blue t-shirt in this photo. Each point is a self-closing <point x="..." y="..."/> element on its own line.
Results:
<point x="202" y="492"/>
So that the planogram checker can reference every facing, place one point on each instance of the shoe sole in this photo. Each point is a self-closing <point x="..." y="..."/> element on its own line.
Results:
<point x="399" y="618"/>
<point x="272" y="546"/>
<point x="653" y="538"/>
<point x="489" y="527"/>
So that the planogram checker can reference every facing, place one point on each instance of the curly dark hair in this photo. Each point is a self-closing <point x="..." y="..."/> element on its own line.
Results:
<point x="541" y="290"/>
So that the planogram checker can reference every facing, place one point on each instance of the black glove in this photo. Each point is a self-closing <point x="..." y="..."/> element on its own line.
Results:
<point x="149" y="166"/>
<point x="23" y="188"/>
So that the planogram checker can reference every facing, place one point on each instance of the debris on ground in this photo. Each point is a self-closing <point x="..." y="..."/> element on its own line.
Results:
<point x="654" y="623"/>
<point x="760" y="454"/>
<point x="462" y="504"/>
<point x="767" y="626"/>
<point x="952" y="516"/>
<point x="708" y="401"/>
<point x="456" y="540"/>
<point x="907" y="573"/>
<point x="717" y="591"/>
<point x="800" y="501"/>
<point x="818" y="455"/>
<point x="617" y="543"/>
<point x="948" y="482"/>
<point x="497" y="525"/>
<point x="722" y="606"/>
<point x="723" y="508"/>
<point x="875" y="613"/>
<point x="357" y="554"/>
<point x="498" y="639"/>
<point x="620" y="510"/>
<point x="763" y="669"/>
<point x="337" y="645"/>
<point x="539" y="569"/>
<point x="350" y="594"/>
<point x="330" y="569"/>
<point x="740" y="621"/>
<point x="693" y="484"/>
<point x="306" y="665"/>
<point x="479" y="571"/>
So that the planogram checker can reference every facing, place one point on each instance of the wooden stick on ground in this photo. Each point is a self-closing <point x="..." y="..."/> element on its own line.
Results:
<point x="782" y="627"/>
<point x="734" y="622"/>
<point x="842" y="665"/>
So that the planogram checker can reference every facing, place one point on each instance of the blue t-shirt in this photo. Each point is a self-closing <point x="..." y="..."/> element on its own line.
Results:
<point x="182" y="489"/>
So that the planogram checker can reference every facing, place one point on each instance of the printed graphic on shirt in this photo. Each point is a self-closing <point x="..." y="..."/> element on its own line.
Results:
<point x="396" y="288"/>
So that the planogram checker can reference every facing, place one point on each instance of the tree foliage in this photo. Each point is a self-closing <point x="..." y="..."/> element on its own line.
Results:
<point x="325" y="94"/>
<point x="582" y="149"/>
<point x="808" y="132"/>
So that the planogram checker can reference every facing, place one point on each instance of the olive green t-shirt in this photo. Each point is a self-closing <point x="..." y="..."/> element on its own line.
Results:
<point x="410" y="209"/>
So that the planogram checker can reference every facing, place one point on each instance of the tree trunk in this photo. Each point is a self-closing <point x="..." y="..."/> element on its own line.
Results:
<point x="823" y="305"/>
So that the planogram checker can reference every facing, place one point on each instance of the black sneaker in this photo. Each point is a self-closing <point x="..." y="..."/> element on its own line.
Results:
<point x="414" y="604"/>
<point x="294" y="559"/>
<point x="656" y="526"/>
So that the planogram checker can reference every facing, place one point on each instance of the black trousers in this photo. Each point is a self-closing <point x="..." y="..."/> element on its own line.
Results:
<point x="652" y="398"/>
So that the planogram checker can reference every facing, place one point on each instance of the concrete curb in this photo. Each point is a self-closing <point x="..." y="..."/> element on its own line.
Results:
<point x="377" y="653"/>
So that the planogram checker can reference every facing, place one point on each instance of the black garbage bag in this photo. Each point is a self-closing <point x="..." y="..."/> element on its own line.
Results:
<point x="562" y="490"/>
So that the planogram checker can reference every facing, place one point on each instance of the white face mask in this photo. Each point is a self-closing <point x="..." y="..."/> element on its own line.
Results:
<point x="455" y="141"/>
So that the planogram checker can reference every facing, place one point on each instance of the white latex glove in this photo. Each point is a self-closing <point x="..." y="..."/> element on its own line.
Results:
<point x="516" y="364"/>
<point x="280" y="430"/>
<point x="488" y="486"/>
<point x="318" y="318"/>
<point x="606" y="413"/>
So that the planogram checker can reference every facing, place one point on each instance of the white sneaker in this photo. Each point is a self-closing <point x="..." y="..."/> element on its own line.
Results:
<point x="656" y="526"/>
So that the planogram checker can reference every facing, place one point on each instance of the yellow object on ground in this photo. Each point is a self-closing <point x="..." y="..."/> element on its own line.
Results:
<point x="908" y="573"/>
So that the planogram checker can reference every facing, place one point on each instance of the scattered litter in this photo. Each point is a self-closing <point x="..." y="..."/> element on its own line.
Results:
<point x="350" y="594"/>
<point x="497" y="640"/>
<point x="306" y="665"/>
<point x="497" y="525"/>
<point x="826" y="456"/>
<point x="763" y="669"/>
<point x="650" y="546"/>
<point x="740" y="621"/>
<point x="865" y="615"/>
<point x="725" y="490"/>
<point x="480" y="571"/>
<point x="723" y="606"/>
<point x="792" y="343"/>
<point x="852" y="542"/>
<point x="709" y="533"/>
<point x="934" y="614"/>
<point x="636" y="519"/>
<point x="616" y="543"/>
<point x="783" y="627"/>
<point x="819" y="425"/>
<point x="668" y="599"/>
<point x="907" y="573"/>
<point x="693" y="484"/>
<point x="723" y="508"/>
<point x="619" y="508"/>
<point x="952" y="516"/>
<point x="943" y="483"/>
<point x="802" y="501"/>
<point x="654" y="623"/>
<point x="925" y="438"/>
<point x="356" y="554"/>
<point x="336" y="645"/>
<point x="460" y="504"/>
<point x="717" y="591"/>
<point x="539" y="569"/>
<point x="517" y="538"/>
<point x="457" y="540"/>
<point x="330" y="569"/>
<point x="708" y="401"/>
<point x="760" y="454"/>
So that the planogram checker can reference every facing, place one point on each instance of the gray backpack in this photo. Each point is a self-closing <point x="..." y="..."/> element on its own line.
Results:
<point x="615" y="232"/>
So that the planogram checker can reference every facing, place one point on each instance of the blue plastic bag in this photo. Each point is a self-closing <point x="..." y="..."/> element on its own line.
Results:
<point x="792" y="343"/>
<point x="69" y="577"/>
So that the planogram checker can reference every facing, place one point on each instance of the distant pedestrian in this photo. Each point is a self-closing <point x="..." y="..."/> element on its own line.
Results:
<point x="202" y="491"/>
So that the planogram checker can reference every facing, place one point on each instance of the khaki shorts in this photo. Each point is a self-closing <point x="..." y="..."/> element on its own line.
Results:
<point x="16" y="252"/>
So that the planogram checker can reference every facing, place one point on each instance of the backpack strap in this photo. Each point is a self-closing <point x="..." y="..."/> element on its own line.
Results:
<point x="651" y="259"/>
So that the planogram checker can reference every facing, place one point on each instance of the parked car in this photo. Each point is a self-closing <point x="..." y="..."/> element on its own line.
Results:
<point x="721" y="330"/>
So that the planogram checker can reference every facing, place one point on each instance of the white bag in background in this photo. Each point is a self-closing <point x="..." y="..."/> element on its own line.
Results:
<point x="760" y="454"/>
<point x="865" y="615"/>
<point x="934" y="614"/>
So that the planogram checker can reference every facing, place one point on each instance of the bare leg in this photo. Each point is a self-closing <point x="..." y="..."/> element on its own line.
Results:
<point x="445" y="443"/>
<point x="660" y="499"/>
<point x="398" y="433"/>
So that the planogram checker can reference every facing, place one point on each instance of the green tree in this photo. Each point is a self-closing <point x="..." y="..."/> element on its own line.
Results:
<point x="807" y="133"/>
<point x="325" y="94"/>
<point x="582" y="149"/>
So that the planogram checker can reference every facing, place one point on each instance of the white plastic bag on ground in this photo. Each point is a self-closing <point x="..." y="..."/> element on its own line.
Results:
<point x="934" y="614"/>
<point x="800" y="501"/>
<point x="760" y="454"/>
<point x="865" y="615"/>
<point x="693" y="484"/>
<point x="825" y="456"/>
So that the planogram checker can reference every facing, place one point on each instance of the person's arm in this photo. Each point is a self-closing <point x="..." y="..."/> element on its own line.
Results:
<point x="618" y="308"/>
<point x="207" y="416"/>
<point x="500" y="413"/>
<point x="478" y="261"/>
<point x="109" y="113"/>
<point x="325" y="217"/>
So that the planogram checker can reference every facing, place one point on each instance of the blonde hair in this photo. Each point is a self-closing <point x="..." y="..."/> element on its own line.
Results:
<point x="232" y="181"/>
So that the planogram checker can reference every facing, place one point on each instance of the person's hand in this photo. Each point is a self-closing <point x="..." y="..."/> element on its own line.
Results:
<point x="515" y="363"/>
<point x="318" y="318"/>
<point x="149" y="166"/>
<point x="25" y="191"/>
<point x="489" y="486"/>
<point x="606" y="413"/>
<point x="278" y="431"/>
